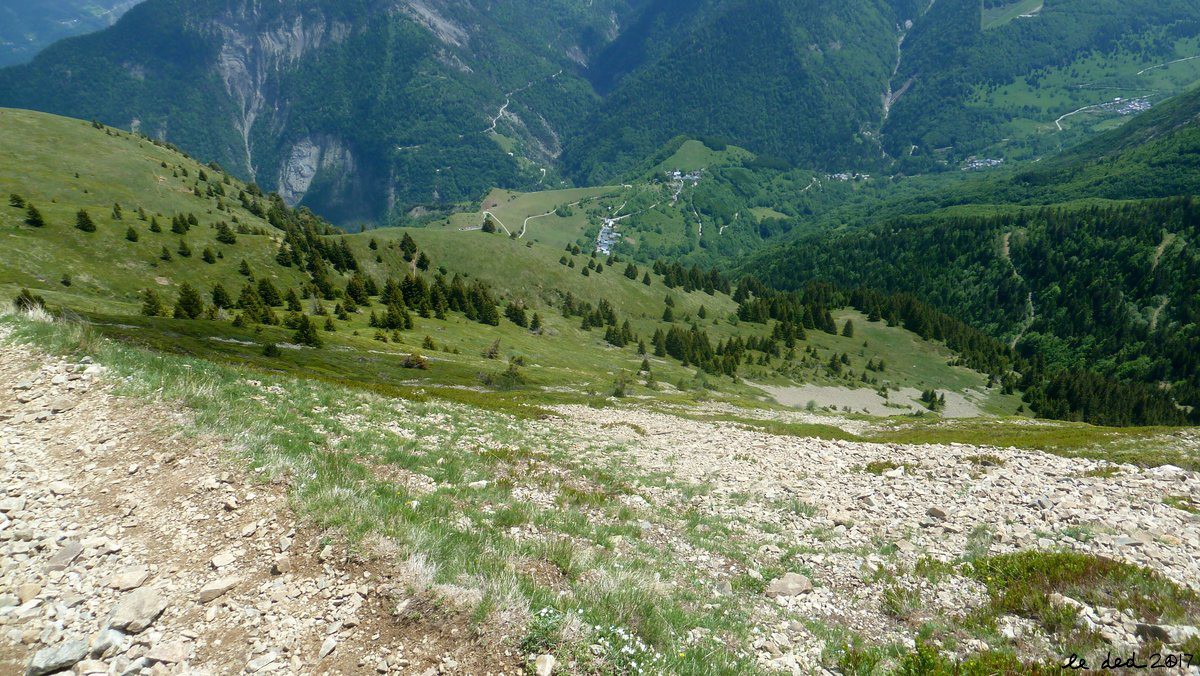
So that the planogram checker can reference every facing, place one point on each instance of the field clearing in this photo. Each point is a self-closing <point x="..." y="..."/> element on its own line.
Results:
<point x="999" y="16"/>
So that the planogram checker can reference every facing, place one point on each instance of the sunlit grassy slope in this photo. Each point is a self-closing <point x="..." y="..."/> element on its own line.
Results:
<point x="61" y="166"/>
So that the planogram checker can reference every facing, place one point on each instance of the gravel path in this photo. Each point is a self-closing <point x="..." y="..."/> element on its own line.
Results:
<point x="127" y="547"/>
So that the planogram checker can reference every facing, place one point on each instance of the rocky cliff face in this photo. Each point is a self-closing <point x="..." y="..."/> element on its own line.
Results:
<point x="253" y="50"/>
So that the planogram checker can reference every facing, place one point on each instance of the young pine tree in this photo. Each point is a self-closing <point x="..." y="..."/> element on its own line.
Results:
<point x="151" y="304"/>
<point x="221" y="298"/>
<point x="208" y="256"/>
<point x="34" y="217"/>
<point x="131" y="234"/>
<point x="84" y="222"/>
<point x="306" y="332"/>
<point x="189" y="305"/>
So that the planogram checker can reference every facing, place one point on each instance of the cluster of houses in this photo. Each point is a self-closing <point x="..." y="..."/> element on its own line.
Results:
<point x="691" y="176"/>
<point x="608" y="237"/>
<point x="1128" y="106"/>
<point x="981" y="163"/>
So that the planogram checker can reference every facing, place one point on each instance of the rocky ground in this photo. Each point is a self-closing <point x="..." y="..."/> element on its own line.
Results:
<point x="127" y="547"/>
<point x="862" y="518"/>
<point x="131" y="544"/>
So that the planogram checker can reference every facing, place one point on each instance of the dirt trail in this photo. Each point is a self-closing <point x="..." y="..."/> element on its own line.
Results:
<point x="129" y="545"/>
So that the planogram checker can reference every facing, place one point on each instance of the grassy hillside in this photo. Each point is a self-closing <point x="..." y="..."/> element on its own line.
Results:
<point x="65" y="166"/>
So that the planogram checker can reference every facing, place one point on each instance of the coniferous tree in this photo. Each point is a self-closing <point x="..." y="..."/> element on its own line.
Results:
<point x="189" y="305"/>
<point x="34" y="217"/>
<point x="535" y="324"/>
<point x="151" y="304"/>
<point x="423" y="261"/>
<point x="84" y="222"/>
<point x="221" y="298"/>
<point x="329" y="325"/>
<point x="208" y="256"/>
<point x="292" y="301"/>
<point x="268" y="293"/>
<point x="244" y="269"/>
<point x="184" y="250"/>
<point x="646" y="279"/>
<point x="516" y="314"/>
<point x="16" y="201"/>
<point x="848" y="329"/>
<point x="154" y="226"/>
<point x="131" y="234"/>
<point x="306" y="332"/>
<point x="225" y="235"/>
<point x="117" y="214"/>
<point x="165" y="255"/>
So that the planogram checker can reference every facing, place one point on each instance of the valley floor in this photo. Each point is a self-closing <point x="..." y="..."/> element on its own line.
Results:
<point x="147" y="523"/>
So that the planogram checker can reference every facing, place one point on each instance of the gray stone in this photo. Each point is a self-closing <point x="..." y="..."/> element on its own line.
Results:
<point x="216" y="589"/>
<point x="56" y="658"/>
<point x="791" y="584"/>
<point x="137" y="611"/>
<point x="107" y="641"/>
<point x="173" y="652"/>
<point x="223" y="559"/>
<point x="12" y="504"/>
<point x="327" y="647"/>
<point x="64" y="557"/>
<point x="544" y="665"/>
<point x="129" y="579"/>
<point x="261" y="662"/>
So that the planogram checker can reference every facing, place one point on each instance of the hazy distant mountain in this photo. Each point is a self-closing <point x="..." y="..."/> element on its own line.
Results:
<point x="26" y="26"/>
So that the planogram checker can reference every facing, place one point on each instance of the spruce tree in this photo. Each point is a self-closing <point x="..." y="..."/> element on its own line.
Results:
<point x="16" y="201"/>
<point x="165" y="255"/>
<point x="306" y="332"/>
<point x="221" y="298"/>
<point x="329" y="326"/>
<point x="34" y="217"/>
<point x="189" y="305"/>
<point x="535" y="324"/>
<point x="131" y="234"/>
<point x="154" y="226"/>
<point x="423" y="261"/>
<point x="292" y="301"/>
<point x="848" y="329"/>
<point x="646" y="279"/>
<point x="184" y="250"/>
<point x="151" y="304"/>
<point x="84" y="222"/>
<point x="208" y="256"/>
<point x="244" y="269"/>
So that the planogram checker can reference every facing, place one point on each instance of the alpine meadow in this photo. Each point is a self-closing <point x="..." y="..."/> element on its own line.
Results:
<point x="608" y="337"/>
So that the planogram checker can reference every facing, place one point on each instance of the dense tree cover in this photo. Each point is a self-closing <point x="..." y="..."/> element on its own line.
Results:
<point x="1115" y="291"/>
<point x="799" y="80"/>
<point x="946" y="56"/>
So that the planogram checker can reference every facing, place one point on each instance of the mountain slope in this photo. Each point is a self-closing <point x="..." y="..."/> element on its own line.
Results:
<point x="349" y="107"/>
<point x="797" y="80"/>
<point x="1109" y="286"/>
<point x="27" y="26"/>
<point x="464" y="300"/>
